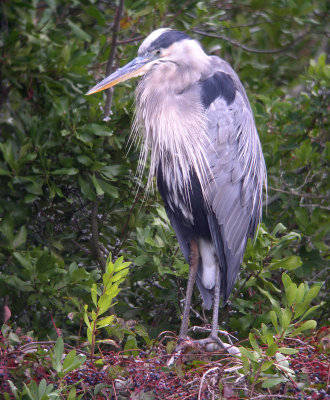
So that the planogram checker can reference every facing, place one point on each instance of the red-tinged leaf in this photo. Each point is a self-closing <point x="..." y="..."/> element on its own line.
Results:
<point x="6" y="314"/>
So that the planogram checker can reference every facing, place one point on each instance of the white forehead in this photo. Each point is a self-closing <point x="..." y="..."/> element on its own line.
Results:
<point x="151" y="38"/>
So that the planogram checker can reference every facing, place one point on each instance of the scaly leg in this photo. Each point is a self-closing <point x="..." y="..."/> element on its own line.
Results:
<point x="193" y="266"/>
<point x="216" y="303"/>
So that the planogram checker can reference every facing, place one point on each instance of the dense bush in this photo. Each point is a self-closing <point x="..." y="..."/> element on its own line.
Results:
<point x="69" y="193"/>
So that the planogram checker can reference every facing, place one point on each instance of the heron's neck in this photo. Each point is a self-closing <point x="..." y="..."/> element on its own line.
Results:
<point x="172" y="122"/>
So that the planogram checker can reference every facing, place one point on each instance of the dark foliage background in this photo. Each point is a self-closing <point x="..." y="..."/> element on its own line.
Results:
<point x="69" y="195"/>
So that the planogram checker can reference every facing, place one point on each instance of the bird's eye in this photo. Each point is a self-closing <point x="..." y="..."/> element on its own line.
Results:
<point x="157" y="52"/>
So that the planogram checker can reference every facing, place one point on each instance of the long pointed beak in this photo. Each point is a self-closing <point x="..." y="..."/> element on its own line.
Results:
<point x="138" y="66"/>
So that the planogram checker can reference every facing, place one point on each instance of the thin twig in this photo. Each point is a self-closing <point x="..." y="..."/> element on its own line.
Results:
<point x="132" y="40"/>
<point x="250" y="49"/>
<point x="271" y="396"/>
<point x="315" y="205"/>
<point x="323" y="271"/>
<point x="294" y="193"/>
<point x="175" y="16"/>
<point x="95" y="237"/>
<point x="32" y="345"/>
<point x="271" y="200"/>
<point x="114" y="390"/>
<point x="203" y="377"/>
<point x="120" y="245"/>
<point x="109" y="69"/>
<point x="84" y="249"/>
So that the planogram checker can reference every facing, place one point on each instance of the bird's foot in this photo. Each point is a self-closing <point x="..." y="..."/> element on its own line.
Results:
<point x="213" y="332"/>
<point x="209" y="344"/>
<point x="214" y="343"/>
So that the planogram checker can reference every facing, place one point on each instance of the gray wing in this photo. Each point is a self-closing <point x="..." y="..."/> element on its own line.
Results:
<point x="237" y="176"/>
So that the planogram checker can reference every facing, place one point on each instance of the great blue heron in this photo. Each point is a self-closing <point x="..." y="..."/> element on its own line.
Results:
<point x="196" y="122"/>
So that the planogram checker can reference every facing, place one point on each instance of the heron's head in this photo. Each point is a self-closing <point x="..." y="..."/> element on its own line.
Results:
<point x="161" y="46"/>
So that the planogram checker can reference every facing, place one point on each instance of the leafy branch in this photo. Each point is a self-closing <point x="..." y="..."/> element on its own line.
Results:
<point x="102" y="296"/>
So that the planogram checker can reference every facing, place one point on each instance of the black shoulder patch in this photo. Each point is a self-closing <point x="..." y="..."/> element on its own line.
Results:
<point x="218" y="85"/>
<point x="167" y="38"/>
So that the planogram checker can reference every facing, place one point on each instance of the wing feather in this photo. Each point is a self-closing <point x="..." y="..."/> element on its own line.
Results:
<point x="236" y="179"/>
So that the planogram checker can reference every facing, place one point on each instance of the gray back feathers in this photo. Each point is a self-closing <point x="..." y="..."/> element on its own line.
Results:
<point x="218" y="141"/>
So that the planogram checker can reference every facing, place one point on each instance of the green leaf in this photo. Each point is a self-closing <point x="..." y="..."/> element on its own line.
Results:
<point x="97" y="186"/>
<point x="291" y="292"/>
<point x="94" y="294"/>
<point x="266" y="365"/>
<point x="72" y="361"/>
<point x="106" y="279"/>
<point x="311" y="310"/>
<point x="272" y="349"/>
<point x="110" y="190"/>
<point x="119" y="275"/>
<point x="269" y="339"/>
<point x="253" y="356"/>
<point x="121" y="266"/>
<point x="33" y="390"/>
<point x="110" y="171"/>
<point x="20" y="238"/>
<point x="42" y="388"/>
<point x="105" y="302"/>
<point x="118" y="262"/>
<point x="273" y="318"/>
<point x="69" y="359"/>
<point x="131" y="344"/>
<point x="24" y="261"/>
<point x="86" y="189"/>
<point x="311" y="324"/>
<point x="289" y="263"/>
<point x="97" y="130"/>
<point x="81" y="34"/>
<point x="72" y="393"/>
<point x="94" y="316"/>
<point x="85" y="316"/>
<point x="105" y="321"/>
<point x="90" y="335"/>
<point x="300" y="293"/>
<point x="65" y="171"/>
<point x="271" y="382"/>
<point x="275" y="304"/>
<point x="312" y="292"/>
<point x="245" y="364"/>
<point x="58" y="350"/>
<point x="287" y="350"/>
<point x="141" y="260"/>
<point x="110" y="266"/>
<point x="286" y="280"/>
<point x="285" y="318"/>
<point x="302" y="307"/>
<point x="254" y="343"/>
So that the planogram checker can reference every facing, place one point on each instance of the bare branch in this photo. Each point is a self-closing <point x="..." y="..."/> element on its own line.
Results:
<point x="271" y="200"/>
<point x="124" y="232"/>
<point x="315" y="205"/>
<point x="109" y="69"/>
<point x="95" y="237"/>
<point x="253" y="50"/>
<point x="175" y="16"/>
<point x="271" y="396"/>
<point x="132" y="40"/>
<point x="294" y="193"/>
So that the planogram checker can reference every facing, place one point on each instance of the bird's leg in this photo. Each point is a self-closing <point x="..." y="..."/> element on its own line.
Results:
<point x="215" y="319"/>
<point x="216" y="303"/>
<point x="193" y="266"/>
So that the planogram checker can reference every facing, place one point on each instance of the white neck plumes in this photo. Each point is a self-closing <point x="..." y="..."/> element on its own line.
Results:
<point x="171" y="127"/>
